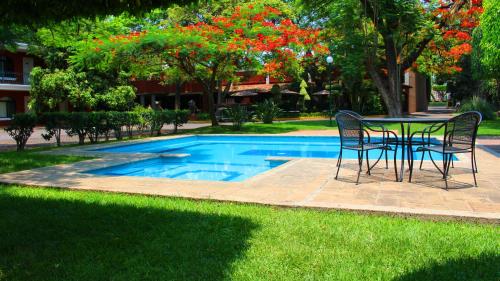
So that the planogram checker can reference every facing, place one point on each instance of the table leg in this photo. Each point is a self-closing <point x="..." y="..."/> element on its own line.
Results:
<point x="410" y="154"/>
<point x="403" y="148"/>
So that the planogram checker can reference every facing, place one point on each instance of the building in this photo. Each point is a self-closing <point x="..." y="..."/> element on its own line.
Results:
<point x="153" y="92"/>
<point x="15" y="68"/>
<point x="417" y="90"/>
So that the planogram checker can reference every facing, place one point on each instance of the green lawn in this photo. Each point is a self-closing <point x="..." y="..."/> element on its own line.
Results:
<point x="487" y="128"/>
<point x="55" y="234"/>
<point x="438" y="103"/>
<point x="11" y="161"/>
<point x="50" y="234"/>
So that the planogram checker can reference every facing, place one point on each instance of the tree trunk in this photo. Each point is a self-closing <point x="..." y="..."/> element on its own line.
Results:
<point x="208" y="92"/>
<point x="219" y="93"/>
<point x="211" y="107"/>
<point x="178" y="95"/>
<point x="389" y="84"/>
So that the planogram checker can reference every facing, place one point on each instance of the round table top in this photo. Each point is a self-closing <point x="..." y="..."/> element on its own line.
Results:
<point x="405" y="119"/>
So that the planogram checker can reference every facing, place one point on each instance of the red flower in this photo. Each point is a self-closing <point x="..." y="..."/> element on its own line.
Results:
<point x="462" y="36"/>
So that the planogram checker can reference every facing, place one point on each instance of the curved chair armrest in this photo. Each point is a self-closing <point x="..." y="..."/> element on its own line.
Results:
<point x="380" y="129"/>
<point x="427" y="130"/>
<point x="371" y="126"/>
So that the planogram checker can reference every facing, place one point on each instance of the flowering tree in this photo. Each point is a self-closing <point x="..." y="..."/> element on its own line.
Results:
<point x="453" y="38"/>
<point x="396" y="33"/>
<point x="252" y="36"/>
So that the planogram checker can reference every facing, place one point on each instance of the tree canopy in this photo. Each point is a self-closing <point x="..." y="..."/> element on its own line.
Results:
<point x="490" y="39"/>
<point x="32" y="12"/>
<point x="395" y="33"/>
<point x="250" y="36"/>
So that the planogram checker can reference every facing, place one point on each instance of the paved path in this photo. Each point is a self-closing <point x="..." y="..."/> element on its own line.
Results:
<point x="36" y="139"/>
<point x="303" y="182"/>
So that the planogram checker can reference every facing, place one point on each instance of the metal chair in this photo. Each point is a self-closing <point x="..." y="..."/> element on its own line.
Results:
<point x="353" y="131"/>
<point x="460" y="134"/>
<point x="385" y="138"/>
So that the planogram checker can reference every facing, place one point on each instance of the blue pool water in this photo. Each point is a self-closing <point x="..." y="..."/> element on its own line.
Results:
<point x="223" y="158"/>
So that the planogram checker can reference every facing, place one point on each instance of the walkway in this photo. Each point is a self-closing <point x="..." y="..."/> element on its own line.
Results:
<point x="303" y="182"/>
<point x="36" y="139"/>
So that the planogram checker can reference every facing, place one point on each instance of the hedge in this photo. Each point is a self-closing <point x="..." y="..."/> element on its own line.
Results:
<point x="93" y="125"/>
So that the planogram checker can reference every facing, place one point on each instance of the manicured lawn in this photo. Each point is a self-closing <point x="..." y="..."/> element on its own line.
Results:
<point x="438" y="103"/>
<point x="487" y="128"/>
<point x="53" y="234"/>
<point x="11" y="161"/>
<point x="50" y="234"/>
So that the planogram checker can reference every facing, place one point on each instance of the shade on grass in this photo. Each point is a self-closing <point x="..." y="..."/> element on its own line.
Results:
<point x="50" y="234"/>
<point x="487" y="128"/>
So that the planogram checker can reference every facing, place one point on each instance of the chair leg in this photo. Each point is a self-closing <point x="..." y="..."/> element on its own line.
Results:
<point x="445" y="170"/>
<point x="422" y="159"/>
<point x="473" y="169"/>
<point x="339" y="162"/>
<point x="474" y="158"/>
<point x="452" y="163"/>
<point x="367" y="163"/>
<point x="411" y="170"/>
<point x="340" y="158"/>
<point x="360" y="162"/>
<point x="386" y="160"/>
<point x="395" y="162"/>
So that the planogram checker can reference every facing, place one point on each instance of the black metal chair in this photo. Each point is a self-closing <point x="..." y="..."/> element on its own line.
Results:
<point x="385" y="139"/>
<point x="354" y="135"/>
<point x="460" y="134"/>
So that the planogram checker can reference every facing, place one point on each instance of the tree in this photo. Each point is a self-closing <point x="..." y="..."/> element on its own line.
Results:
<point x="486" y="54"/>
<point x="397" y="32"/>
<point x="50" y="88"/>
<point x="304" y="94"/>
<point x="120" y="98"/>
<point x="252" y="36"/>
<point x="49" y="11"/>
<point x="490" y="40"/>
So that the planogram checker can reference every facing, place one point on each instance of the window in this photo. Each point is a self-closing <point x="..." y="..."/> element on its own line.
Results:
<point x="6" y="67"/>
<point x="7" y="107"/>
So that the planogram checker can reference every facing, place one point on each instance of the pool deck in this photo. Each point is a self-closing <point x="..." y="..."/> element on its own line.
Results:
<point x="301" y="182"/>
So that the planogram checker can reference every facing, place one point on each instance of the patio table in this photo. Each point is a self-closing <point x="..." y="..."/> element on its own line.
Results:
<point x="405" y="123"/>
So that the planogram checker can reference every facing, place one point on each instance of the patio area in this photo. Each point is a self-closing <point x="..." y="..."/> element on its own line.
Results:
<point x="303" y="182"/>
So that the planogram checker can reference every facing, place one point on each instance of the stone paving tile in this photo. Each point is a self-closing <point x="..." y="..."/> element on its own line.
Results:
<point x="300" y="183"/>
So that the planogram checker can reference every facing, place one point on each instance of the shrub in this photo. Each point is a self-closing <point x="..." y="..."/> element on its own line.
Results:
<point x="238" y="115"/>
<point x="21" y="128"/>
<point x="156" y="120"/>
<point x="267" y="111"/>
<point x="116" y="121"/>
<point x="77" y="125"/>
<point x="132" y="119"/>
<point x="179" y="118"/>
<point x="142" y="119"/>
<point x="55" y="123"/>
<point x="96" y="125"/>
<point x="481" y="105"/>
<point x="202" y="116"/>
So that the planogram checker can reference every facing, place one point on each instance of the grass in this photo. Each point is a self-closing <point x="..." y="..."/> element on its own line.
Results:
<point x="50" y="234"/>
<point x="487" y="128"/>
<point x="54" y="234"/>
<point x="259" y="128"/>
<point x="438" y="103"/>
<point x="11" y="161"/>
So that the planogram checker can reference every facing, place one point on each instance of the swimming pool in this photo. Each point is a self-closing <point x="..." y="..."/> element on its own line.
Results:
<point x="223" y="158"/>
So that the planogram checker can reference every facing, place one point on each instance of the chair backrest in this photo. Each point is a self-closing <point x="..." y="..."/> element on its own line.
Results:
<point x="353" y="113"/>
<point x="461" y="130"/>
<point x="350" y="128"/>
